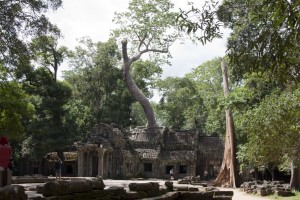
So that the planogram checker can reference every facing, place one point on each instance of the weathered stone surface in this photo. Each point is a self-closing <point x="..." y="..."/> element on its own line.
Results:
<point x="143" y="186"/>
<point x="168" y="196"/>
<point x="98" y="193"/>
<point x="264" y="188"/>
<point x="285" y="193"/>
<point x="50" y="189"/>
<point x="223" y="193"/>
<point x="135" y="195"/>
<point x="12" y="192"/>
<point x="223" y="198"/>
<point x="98" y="184"/>
<point x="81" y="186"/>
<point x="169" y="185"/>
<point x="67" y="187"/>
<point x="39" y="189"/>
<point x="115" y="190"/>
<point x="181" y="188"/>
<point x="80" y="196"/>
<point x="196" y="195"/>
<point x="262" y="192"/>
<point x="193" y="189"/>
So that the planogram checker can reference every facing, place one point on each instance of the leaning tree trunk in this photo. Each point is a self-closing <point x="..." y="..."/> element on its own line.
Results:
<point x="133" y="88"/>
<point x="228" y="172"/>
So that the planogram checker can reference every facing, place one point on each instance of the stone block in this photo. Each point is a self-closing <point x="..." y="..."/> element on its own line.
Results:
<point x="223" y="193"/>
<point x="168" y="196"/>
<point x="39" y="189"/>
<point x="169" y="185"/>
<point x="81" y="186"/>
<point x="182" y="188"/>
<point x="262" y="192"/>
<point x="143" y="186"/>
<point x="115" y="190"/>
<point x="98" y="184"/>
<point x="223" y="198"/>
<point x="12" y="192"/>
<point x="80" y="196"/>
<point x="201" y="184"/>
<point x="64" y="197"/>
<point x="285" y="193"/>
<point x="135" y="195"/>
<point x="196" y="195"/>
<point x="193" y="189"/>
<point x="50" y="189"/>
<point x="98" y="193"/>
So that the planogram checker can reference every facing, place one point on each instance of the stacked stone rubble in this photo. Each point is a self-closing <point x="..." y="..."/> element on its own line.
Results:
<point x="95" y="190"/>
<point x="265" y="188"/>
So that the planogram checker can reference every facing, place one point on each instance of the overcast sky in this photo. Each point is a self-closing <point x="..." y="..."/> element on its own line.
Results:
<point x="93" y="18"/>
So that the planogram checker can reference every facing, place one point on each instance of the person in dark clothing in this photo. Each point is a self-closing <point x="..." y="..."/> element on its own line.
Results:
<point x="57" y="166"/>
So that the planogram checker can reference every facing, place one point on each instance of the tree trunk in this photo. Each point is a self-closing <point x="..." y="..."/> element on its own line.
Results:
<point x="133" y="88"/>
<point x="228" y="172"/>
<point x="295" y="177"/>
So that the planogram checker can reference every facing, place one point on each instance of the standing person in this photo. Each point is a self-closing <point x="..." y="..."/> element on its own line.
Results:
<point x="206" y="175"/>
<point x="57" y="166"/>
<point x="6" y="154"/>
<point x="171" y="174"/>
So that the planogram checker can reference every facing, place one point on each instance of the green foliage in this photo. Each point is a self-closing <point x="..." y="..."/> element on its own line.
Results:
<point x="183" y="115"/>
<point x="201" y="24"/>
<point x="47" y="131"/>
<point x="14" y="108"/>
<point x="208" y="81"/>
<point x="149" y="26"/>
<point x="47" y="53"/>
<point x="272" y="129"/>
<point x="100" y="95"/>
<point x="265" y="37"/>
<point x="20" y="19"/>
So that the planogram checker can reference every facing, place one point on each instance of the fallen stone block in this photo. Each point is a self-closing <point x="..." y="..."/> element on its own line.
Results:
<point x="196" y="195"/>
<point x="12" y="192"/>
<point x="284" y="193"/>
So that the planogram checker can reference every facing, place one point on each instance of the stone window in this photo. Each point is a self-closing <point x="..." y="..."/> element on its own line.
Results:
<point x="148" y="167"/>
<point x="182" y="169"/>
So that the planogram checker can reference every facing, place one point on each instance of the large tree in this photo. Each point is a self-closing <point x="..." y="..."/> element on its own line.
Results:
<point x="47" y="131"/>
<point x="273" y="132"/>
<point x="20" y="19"/>
<point x="229" y="170"/>
<point x="147" y="28"/>
<point x="264" y="38"/>
<point x="47" y="53"/>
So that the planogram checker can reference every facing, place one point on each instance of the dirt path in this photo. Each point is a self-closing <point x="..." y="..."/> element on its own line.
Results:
<point x="239" y="195"/>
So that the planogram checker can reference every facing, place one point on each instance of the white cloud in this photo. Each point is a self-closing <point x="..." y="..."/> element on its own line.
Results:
<point x="93" y="18"/>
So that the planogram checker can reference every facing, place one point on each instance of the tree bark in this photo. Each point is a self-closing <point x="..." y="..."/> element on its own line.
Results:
<point x="133" y="88"/>
<point x="228" y="172"/>
<point x="295" y="177"/>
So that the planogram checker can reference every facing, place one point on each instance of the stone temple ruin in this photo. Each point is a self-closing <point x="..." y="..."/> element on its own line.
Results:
<point x="143" y="153"/>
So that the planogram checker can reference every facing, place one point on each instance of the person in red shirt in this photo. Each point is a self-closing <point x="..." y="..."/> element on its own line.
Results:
<point x="5" y="157"/>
